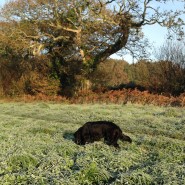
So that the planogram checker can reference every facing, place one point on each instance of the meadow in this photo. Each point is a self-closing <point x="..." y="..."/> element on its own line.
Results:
<point x="36" y="145"/>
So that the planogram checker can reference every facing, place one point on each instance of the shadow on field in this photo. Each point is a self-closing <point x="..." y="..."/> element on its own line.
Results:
<point x="68" y="135"/>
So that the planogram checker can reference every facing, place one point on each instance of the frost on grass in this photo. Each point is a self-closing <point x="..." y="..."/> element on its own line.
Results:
<point x="37" y="147"/>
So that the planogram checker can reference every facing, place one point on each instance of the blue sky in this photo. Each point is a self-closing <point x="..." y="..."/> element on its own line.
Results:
<point x="2" y="1"/>
<point x="155" y="33"/>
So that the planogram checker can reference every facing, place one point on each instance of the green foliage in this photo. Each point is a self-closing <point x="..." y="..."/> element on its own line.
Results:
<point x="21" y="163"/>
<point x="92" y="174"/>
<point x="37" y="147"/>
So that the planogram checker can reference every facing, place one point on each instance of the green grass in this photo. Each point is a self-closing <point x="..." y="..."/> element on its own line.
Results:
<point x="36" y="145"/>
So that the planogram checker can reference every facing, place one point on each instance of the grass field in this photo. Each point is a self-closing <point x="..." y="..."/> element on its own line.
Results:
<point x="36" y="145"/>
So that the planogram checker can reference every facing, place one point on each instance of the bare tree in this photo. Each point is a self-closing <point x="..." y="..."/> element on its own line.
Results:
<point x="172" y="65"/>
<point x="172" y="50"/>
<point x="79" y="34"/>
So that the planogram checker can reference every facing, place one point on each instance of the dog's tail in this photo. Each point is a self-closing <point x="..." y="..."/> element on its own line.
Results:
<point x="125" y="138"/>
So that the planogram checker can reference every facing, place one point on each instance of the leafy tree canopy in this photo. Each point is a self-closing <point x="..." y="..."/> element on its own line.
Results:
<point x="83" y="29"/>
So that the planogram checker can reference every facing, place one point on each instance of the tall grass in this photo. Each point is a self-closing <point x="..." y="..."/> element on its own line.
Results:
<point x="36" y="142"/>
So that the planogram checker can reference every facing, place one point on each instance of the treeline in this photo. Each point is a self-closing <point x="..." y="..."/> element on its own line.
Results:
<point x="160" y="77"/>
<point x="30" y="75"/>
<point x="35" y="76"/>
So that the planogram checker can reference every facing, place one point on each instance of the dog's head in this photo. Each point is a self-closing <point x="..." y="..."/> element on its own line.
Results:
<point x="126" y="138"/>
<point x="77" y="137"/>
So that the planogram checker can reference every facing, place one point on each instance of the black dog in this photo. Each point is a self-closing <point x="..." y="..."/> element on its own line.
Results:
<point x="94" y="131"/>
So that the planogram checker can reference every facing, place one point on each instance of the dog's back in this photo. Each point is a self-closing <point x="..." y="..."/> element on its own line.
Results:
<point x="101" y="125"/>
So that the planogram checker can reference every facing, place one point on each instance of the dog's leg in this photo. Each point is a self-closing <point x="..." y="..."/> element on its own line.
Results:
<point x="116" y="145"/>
<point x="112" y="138"/>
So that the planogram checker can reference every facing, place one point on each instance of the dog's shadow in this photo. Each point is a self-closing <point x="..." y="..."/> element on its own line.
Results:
<point x="68" y="135"/>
